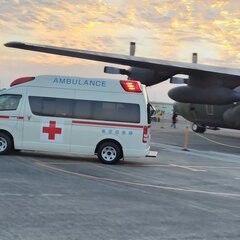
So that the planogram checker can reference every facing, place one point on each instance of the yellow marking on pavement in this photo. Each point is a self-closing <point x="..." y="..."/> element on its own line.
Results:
<point x="234" y="194"/>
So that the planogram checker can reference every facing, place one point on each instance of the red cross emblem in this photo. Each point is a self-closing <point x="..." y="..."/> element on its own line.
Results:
<point x="52" y="130"/>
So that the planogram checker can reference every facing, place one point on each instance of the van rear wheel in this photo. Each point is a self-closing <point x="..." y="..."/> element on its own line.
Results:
<point x="6" y="143"/>
<point x="109" y="152"/>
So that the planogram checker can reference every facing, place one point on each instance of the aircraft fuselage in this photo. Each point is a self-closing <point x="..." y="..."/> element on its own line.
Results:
<point x="224" y="116"/>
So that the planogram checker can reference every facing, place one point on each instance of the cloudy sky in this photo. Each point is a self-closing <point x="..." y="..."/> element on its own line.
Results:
<point x="164" y="29"/>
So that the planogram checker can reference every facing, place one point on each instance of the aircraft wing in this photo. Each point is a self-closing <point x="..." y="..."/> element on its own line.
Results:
<point x="205" y="85"/>
<point x="168" y="67"/>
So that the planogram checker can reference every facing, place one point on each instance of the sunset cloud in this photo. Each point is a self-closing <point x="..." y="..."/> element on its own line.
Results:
<point x="162" y="29"/>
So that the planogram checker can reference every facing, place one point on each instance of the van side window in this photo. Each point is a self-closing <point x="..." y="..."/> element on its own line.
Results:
<point x="82" y="109"/>
<point x="48" y="106"/>
<point x="107" y="111"/>
<point x="64" y="107"/>
<point x="85" y="109"/>
<point x="55" y="107"/>
<point x="117" y="112"/>
<point x="9" y="102"/>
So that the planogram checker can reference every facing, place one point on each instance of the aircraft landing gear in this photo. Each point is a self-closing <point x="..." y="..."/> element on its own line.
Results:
<point x="198" y="128"/>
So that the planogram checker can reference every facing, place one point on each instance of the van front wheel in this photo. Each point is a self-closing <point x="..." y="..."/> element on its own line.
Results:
<point x="109" y="152"/>
<point x="5" y="143"/>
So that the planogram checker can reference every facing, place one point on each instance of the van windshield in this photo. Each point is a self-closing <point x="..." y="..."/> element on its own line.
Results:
<point x="9" y="102"/>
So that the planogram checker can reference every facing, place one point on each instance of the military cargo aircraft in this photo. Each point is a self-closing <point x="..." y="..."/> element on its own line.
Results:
<point x="211" y="96"/>
<point x="205" y="116"/>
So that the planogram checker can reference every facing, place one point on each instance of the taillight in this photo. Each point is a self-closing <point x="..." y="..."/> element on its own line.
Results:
<point x="130" y="86"/>
<point x="145" y="134"/>
<point x="21" y="80"/>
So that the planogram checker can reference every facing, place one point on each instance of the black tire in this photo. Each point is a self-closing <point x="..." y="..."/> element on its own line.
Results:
<point x="202" y="129"/>
<point x="198" y="129"/>
<point x="6" y="143"/>
<point x="109" y="152"/>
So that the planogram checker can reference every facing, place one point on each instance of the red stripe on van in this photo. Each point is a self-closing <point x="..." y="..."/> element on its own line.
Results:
<point x="107" y="124"/>
<point x="17" y="117"/>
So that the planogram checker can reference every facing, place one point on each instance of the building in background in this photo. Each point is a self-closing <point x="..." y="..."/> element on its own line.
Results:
<point x="166" y="108"/>
<point x="163" y="111"/>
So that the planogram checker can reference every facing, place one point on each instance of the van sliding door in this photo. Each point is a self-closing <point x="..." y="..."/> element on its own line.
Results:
<point x="47" y="125"/>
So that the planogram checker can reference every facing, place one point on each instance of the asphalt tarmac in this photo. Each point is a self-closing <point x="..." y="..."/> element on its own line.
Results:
<point x="185" y="193"/>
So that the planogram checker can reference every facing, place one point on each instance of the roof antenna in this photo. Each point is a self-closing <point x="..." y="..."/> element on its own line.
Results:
<point x="115" y="70"/>
<point x="132" y="48"/>
<point x="194" y="58"/>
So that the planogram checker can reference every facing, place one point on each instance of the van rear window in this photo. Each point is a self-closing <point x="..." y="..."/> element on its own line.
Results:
<point x="85" y="109"/>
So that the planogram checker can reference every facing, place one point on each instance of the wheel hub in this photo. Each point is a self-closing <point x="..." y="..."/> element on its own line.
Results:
<point x="109" y="153"/>
<point x="3" y="144"/>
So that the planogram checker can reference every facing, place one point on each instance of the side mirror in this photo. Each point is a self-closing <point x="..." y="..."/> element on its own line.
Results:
<point x="151" y="109"/>
<point x="150" y="112"/>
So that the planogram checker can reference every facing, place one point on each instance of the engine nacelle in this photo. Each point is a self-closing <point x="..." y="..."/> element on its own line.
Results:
<point x="214" y="95"/>
<point x="232" y="117"/>
<point x="147" y="76"/>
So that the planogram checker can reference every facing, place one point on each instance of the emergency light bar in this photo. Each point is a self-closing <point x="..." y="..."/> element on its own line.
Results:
<point x="21" y="80"/>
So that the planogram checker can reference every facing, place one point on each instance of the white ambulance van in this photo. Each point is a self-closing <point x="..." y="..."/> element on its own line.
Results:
<point x="84" y="116"/>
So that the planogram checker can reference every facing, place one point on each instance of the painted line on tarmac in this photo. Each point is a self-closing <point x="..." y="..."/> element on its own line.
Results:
<point x="29" y="195"/>
<point x="199" y="153"/>
<point x="188" y="168"/>
<point x="67" y="162"/>
<point x="193" y="168"/>
<point x="210" y="167"/>
<point x="135" y="164"/>
<point x="219" y="143"/>
<point x="11" y="194"/>
<point x="222" y="194"/>
<point x="182" y="166"/>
